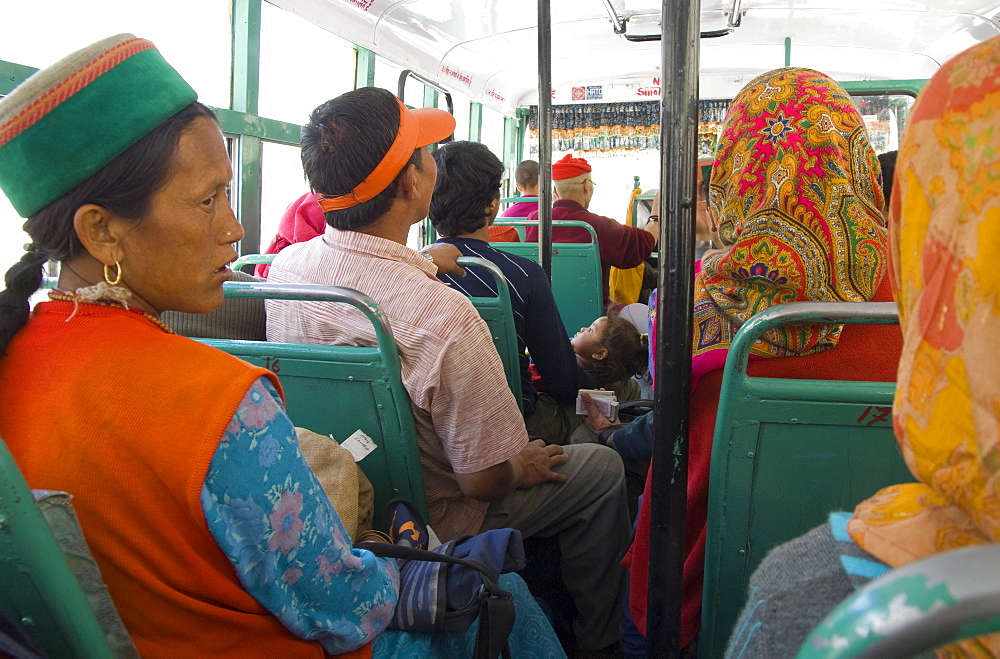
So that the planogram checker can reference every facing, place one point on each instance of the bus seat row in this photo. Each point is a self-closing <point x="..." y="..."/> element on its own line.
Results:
<point x="38" y="589"/>
<point x="495" y="311"/>
<point x="342" y="390"/>
<point x="786" y="453"/>
<point x="576" y="273"/>
<point x="499" y="317"/>
<point x="321" y="382"/>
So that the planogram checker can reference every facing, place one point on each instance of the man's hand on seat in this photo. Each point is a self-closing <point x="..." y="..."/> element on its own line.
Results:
<point x="445" y="257"/>
<point x="535" y="462"/>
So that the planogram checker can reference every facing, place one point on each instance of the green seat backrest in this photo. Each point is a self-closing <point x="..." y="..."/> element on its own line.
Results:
<point x="786" y="453"/>
<point x="576" y="274"/>
<point x="499" y="317"/>
<point x="337" y="390"/>
<point x="510" y="221"/>
<point x="37" y="586"/>
<point x="496" y="311"/>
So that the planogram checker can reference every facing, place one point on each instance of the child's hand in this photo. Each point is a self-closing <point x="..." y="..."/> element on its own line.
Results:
<point x="596" y="421"/>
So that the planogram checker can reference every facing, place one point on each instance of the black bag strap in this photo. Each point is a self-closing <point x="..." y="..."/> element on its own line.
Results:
<point x="496" y="612"/>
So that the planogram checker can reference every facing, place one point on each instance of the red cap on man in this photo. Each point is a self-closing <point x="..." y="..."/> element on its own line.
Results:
<point x="568" y="167"/>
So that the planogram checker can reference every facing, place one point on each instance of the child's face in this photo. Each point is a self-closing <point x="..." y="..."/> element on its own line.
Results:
<point x="587" y="342"/>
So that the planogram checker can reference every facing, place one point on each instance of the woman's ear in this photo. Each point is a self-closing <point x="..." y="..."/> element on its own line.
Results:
<point x="100" y="231"/>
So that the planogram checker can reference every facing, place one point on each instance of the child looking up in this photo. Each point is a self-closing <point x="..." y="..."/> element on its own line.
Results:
<point x="613" y="351"/>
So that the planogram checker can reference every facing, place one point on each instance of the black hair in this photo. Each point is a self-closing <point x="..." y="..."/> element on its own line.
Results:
<point x="526" y="174"/>
<point x="468" y="179"/>
<point x="628" y="351"/>
<point x="888" y="162"/>
<point x="345" y="139"/>
<point x="125" y="186"/>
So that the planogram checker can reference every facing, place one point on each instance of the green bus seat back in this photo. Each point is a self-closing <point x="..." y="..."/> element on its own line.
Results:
<point x="576" y="274"/>
<point x="786" y="453"/>
<point x="499" y="317"/>
<point x="37" y="586"/>
<point x="338" y="390"/>
<point x="512" y="221"/>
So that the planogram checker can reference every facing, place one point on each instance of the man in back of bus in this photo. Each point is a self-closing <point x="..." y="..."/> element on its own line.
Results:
<point x="366" y="154"/>
<point x="620" y="246"/>
<point x="526" y="181"/>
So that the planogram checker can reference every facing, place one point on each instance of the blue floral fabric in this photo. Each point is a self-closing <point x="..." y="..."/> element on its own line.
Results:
<point x="269" y="514"/>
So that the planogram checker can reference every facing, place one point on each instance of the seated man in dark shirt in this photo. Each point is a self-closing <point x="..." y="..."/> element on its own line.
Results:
<point x="464" y="204"/>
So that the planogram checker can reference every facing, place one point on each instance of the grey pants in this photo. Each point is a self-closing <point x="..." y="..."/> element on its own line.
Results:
<point x="588" y="516"/>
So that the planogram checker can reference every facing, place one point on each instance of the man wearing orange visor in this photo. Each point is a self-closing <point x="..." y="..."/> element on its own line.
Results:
<point x="366" y="154"/>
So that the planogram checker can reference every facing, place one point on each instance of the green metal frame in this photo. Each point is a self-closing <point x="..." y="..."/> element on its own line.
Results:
<point x="576" y="272"/>
<point x="364" y="71"/>
<point x="246" y="15"/>
<point x="910" y="87"/>
<point x="475" y="122"/>
<point x="786" y="453"/>
<point x="499" y="317"/>
<point x="322" y="381"/>
<point x="37" y="586"/>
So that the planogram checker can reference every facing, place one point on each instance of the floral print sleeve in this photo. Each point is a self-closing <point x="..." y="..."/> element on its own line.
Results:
<point x="269" y="514"/>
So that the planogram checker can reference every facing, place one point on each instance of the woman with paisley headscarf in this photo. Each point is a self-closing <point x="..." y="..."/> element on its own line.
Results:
<point x="796" y="195"/>
<point x="945" y="236"/>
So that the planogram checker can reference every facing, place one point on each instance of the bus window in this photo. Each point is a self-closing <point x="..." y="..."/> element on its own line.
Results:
<point x="492" y="131"/>
<point x="70" y="25"/>
<point x="282" y="181"/>
<point x="462" y="107"/>
<point x="326" y="60"/>
<point x="884" y="117"/>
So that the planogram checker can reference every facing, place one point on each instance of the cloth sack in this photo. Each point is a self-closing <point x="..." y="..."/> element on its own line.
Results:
<point x="350" y="491"/>
<point x="626" y="285"/>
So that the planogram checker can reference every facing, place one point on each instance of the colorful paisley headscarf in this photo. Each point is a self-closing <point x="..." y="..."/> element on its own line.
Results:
<point x="796" y="189"/>
<point x="945" y="233"/>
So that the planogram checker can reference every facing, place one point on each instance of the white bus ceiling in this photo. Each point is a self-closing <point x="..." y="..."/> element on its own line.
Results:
<point x="486" y="49"/>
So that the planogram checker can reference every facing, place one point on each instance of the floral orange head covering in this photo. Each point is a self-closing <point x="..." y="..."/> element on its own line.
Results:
<point x="945" y="237"/>
<point x="796" y="188"/>
<point x="945" y="221"/>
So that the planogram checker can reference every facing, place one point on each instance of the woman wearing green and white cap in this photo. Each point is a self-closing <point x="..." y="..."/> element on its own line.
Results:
<point x="210" y="530"/>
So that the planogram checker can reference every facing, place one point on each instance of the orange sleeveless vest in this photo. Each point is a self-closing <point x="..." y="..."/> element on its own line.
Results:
<point x="126" y="418"/>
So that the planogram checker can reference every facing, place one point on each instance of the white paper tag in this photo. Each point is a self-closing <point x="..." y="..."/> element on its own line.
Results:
<point x="360" y="445"/>
<point x="432" y="540"/>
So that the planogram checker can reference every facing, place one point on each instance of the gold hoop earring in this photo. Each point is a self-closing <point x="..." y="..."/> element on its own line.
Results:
<point x="118" y="276"/>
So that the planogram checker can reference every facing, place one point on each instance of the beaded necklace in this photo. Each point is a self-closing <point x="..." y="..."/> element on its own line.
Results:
<point x="63" y="296"/>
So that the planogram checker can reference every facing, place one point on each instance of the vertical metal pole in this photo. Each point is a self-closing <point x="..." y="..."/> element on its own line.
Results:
<point x="475" y="122"/>
<point x="522" y="129"/>
<point x="678" y="159"/>
<point x="364" y="68"/>
<point x="788" y="51"/>
<point x="244" y="91"/>
<point x="509" y="152"/>
<point x="545" y="137"/>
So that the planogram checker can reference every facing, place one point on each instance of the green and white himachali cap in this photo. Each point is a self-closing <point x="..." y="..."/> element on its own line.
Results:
<point x="66" y="122"/>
